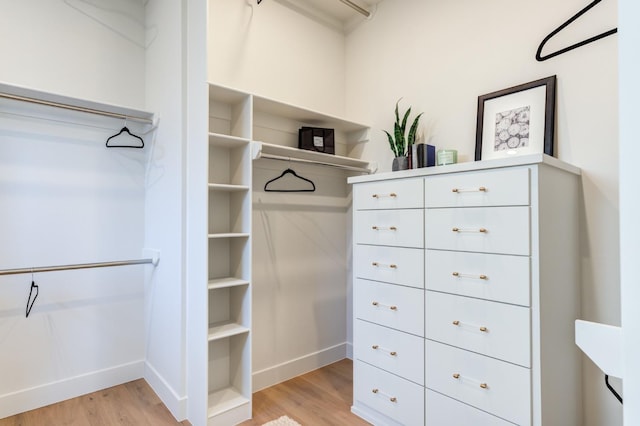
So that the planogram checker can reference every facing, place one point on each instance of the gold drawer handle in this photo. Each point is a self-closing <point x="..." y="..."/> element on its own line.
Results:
<point x="483" y="385"/>
<point x="383" y="228"/>
<point x="479" y="189"/>
<point x="478" y="277"/>
<point x="480" y="230"/>
<point x="391" y="398"/>
<point x="391" y="266"/>
<point x="392" y="307"/>
<point x="392" y="353"/>
<point x="460" y="324"/>
<point x="391" y="195"/>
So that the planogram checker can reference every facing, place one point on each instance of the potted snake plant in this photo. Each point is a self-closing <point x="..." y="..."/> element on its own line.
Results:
<point x="400" y="142"/>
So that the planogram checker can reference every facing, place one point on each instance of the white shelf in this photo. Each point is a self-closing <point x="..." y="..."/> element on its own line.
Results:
<point x="226" y="141"/>
<point x="306" y="116"/>
<point x="225" y="329"/>
<point x="229" y="235"/>
<point x="226" y="282"/>
<point x="227" y="187"/>
<point x="224" y="400"/>
<point x="267" y="150"/>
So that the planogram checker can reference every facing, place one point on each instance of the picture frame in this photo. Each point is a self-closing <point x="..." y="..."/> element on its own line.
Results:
<point x="519" y="120"/>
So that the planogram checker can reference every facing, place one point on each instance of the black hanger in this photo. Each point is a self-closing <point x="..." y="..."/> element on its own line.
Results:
<point x="541" y="58"/>
<point x="29" y="301"/>
<point x="289" y="171"/>
<point x="125" y="130"/>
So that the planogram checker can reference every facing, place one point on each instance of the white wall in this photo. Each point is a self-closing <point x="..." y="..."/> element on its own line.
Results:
<point x="272" y="51"/>
<point x="73" y="48"/>
<point x="440" y="56"/>
<point x="165" y="296"/>
<point x="629" y="231"/>
<point x="67" y="199"/>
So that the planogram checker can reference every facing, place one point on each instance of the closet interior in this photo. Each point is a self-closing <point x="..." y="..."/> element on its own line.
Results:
<point x="245" y="128"/>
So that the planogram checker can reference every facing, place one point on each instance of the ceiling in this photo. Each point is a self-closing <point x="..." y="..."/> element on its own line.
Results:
<point x="333" y="13"/>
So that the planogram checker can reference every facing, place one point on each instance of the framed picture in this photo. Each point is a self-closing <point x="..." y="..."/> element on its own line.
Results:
<point x="517" y="121"/>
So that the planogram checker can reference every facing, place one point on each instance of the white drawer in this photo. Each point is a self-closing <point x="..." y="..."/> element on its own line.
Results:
<point x="394" y="351"/>
<point x="503" y="230"/>
<point x="498" y="387"/>
<point x="476" y="189"/>
<point x="390" y="264"/>
<point x="495" y="329"/>
<point x="391" y="194"/>
<point x="398" y="307"/>
<point x="388" y="394"/>
<point x="444" y="411"/>
<point x="400" y="228"/>
<point x="503" y="278"/>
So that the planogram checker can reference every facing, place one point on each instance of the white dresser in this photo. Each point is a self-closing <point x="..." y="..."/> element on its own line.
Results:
<point x="466" y="288"/>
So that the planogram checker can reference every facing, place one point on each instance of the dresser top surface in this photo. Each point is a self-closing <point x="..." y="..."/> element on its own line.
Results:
<point x="524" y="160"/>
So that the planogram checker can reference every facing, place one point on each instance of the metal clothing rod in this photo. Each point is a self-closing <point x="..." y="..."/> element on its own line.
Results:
<point x="357" y="8"/>
<point x="153" y="261"/>
<point x="300" y="160"/>
<point x="77" y="108"/>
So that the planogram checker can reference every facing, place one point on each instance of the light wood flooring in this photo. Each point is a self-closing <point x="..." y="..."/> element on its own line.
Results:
<point x="321" y="397"/>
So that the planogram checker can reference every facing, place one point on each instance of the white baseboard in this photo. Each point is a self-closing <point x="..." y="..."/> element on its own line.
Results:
<point x="50" y="393"/>
<point x="295" y="367"/>
<point x="176" y="404"/>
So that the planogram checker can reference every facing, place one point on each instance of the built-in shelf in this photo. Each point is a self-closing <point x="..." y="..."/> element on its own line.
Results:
<point x="227" y="187"/>
<point x="226" y="141"/>
<point x="229" y="235"/>
<point x="225" y="400"/>
<point x="226" y="329"/>
<point x="226" y="282"/>
<point x="267" y="150"/>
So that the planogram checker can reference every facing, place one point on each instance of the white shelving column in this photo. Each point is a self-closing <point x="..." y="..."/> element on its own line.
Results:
<point x="229" y="256"/>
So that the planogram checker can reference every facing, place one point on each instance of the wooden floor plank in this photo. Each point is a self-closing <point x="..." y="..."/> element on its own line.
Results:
<point x="318" y="398"/>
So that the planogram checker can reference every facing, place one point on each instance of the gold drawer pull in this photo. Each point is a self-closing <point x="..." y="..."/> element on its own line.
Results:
<point x="480" y="230"/>
<point x="391" y="398"/>
<point x="391" y="266"/>
<point x="383" y="228"/>
<point x="392" y="353"/>
<point x="479" y="189"/>
<point x="483" y="385"/>
<point x="391" y="195"/>
<point x="478" y="277"/>
<point x="482" y="328"/>
<point x="392" y="307"/>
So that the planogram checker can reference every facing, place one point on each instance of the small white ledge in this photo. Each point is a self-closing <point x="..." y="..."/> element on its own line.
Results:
<point x="603" y="344"/>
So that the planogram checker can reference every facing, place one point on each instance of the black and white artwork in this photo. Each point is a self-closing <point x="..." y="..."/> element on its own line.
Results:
<point x="517" y="121"/>
<point x="512" y="129"/>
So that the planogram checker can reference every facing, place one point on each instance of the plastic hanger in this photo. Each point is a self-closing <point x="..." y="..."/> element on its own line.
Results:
<point x="291" y="172"/>
<point x="31" y="302"/>
<point x="541" y="58"/>
<point x="125" y="131"/>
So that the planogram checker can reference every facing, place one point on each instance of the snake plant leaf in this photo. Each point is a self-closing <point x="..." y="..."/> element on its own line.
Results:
<point x="391" y="143"/>
<point x="403" y="127"/>
<point x="397" y="114"/>
<point x="411" y="139"/>
<point x="399" y="135"/>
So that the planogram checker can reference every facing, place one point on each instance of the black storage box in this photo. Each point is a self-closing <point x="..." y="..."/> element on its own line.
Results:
<point x="316" y="139"/>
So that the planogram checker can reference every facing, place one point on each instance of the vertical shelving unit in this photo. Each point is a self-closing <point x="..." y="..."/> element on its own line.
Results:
<point x="229" y="257"/>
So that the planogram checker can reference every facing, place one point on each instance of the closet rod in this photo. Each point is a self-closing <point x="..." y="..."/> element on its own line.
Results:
<point x="153" y="261"/>
<point x="357" y="8"/>
<point x="76" y="108"/>
<point x="321" y="163"/>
